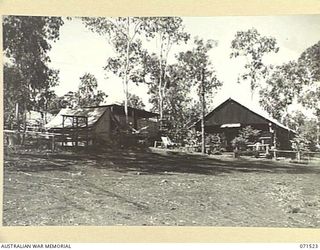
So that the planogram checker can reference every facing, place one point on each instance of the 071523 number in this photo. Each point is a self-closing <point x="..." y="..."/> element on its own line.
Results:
<point x="309" y="246"/>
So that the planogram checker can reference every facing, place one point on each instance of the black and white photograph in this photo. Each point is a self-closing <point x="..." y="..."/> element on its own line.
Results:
<point x="161" y="121"/>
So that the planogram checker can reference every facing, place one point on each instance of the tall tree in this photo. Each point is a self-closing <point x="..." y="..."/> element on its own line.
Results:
<point x="14" y="90"/>
<point x="176" y="101"/>
<point x="166" y="32"/>
<point x="200" y="72"/>
<point x="310" y="59"/>
<point x="307" y="136"/>
<point x="123" y="34"/>
<point x="282" y="88"/>
<point x="88" y="94"/>
<point x="293" y="82"/>
<point x="310" y="96"/>
<point x="26" y="42"/>
<point x="253" y="47"/>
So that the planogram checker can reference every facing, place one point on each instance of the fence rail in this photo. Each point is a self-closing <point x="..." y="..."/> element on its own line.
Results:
<point x="12" y="137"/>
<point x="297" y="154"/>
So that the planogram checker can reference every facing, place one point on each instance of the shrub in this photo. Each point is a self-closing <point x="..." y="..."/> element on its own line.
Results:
<point x="246" y="134"/>
<point x="239" y="143"/>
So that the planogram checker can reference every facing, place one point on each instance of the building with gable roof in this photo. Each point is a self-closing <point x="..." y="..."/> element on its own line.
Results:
<point x="230" y="116"/>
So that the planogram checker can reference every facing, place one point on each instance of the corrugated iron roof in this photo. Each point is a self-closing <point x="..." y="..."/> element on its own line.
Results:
<point x="254" y="109"/>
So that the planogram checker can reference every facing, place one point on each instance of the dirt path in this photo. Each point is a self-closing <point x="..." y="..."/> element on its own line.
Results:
<point x="136" y="188"/>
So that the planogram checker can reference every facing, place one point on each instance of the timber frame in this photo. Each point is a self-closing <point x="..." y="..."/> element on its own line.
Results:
<point x="77" y="133"/>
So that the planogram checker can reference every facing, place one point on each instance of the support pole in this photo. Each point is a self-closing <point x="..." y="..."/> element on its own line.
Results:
<point x="275" y="144"/>
<point x="87" y="129"/>
<point x="63" y="133"/>
<point x="53" y="144"/>
<point x="77" y="131"/>
<point x="203" y="104"/>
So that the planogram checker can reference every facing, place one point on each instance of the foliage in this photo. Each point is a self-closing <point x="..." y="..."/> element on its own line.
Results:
<point x="122" y="33"/>
<point x="87" y="94"/>
<point x="246" y="135"/>
<point x="283" y="86"/>
<point x="199" y="71"/>
<point x="250" y="133"/>
<point x="254" y="47"/>
<point x="12" y="79"/>
<point x="306" y="129"/>
<point x="292" y="82"/>
<point x="310" y="59"/>
<point x="176" y="103"/>
<point x="295" y="120"/>
<point x="27" y="76"/>
<point x="300" y="143"/>
<point x="198" y="67"/>
<point x="310" y="132"/>
<point x="174" y="95"/>
<point x="166" y="31"/>
<point x="310" y="96"/>
<point x="239" y="143"/>
<point x="306" y="138"/>
<point x="57" y="103"/>
<point x="135" y="101"/>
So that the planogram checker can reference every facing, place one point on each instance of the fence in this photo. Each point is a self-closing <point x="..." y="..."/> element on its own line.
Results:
<point x="13" y="138"/>
<point x="295" y="155"/>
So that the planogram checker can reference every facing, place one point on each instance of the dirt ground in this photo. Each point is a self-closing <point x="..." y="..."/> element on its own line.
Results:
<point x="166" y="188"/>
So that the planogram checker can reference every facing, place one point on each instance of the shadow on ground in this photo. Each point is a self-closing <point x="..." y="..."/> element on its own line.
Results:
<point x="164" y="162"/>
<point x="155" y="163"/>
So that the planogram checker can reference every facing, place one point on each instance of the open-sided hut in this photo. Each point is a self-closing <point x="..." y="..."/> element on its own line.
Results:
<point x="230" y="116"/>
<point x="90" y="125"/>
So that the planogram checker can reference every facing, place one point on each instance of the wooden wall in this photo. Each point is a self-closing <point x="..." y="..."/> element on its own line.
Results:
<point x="232" y="112"/>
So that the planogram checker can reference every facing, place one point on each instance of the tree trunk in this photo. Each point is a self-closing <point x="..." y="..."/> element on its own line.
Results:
<point x="203" y="106"/>
<point x="24" y="126"/>
<point x="17" y="116"/>
<point x="318" y="136"/>
<point x="160" y="103"/>
<point x="252" y="89"/>
<point x="160" y="79"/>
<point x="126" y="103"/>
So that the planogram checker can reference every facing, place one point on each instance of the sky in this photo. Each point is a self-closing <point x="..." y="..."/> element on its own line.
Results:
<point x="80" y="51"/>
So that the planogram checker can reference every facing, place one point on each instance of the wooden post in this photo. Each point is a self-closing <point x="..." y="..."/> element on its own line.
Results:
<point x="203" y="107"/>
<point x="63" y="134"/>
<point x="298" y="155"/>
<point x="275" y="144"/>
<point x="71" y="133"/>
<point x="135" y="121"/>
<point x="76" y="131"/>
<point x="87" y="129"/>
<point x="53" y="144"/>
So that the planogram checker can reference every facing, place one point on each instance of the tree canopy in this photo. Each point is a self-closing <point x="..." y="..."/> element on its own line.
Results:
<point x="135" y="101"/>
<point x="26" y="43"/>
<point x="123" y="35"/>
<point x="253" y="46"/>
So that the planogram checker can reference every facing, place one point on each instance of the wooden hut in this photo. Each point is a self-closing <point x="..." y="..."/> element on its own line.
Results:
<point x="90" y="125"/>
<point x="230" y="116"/>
